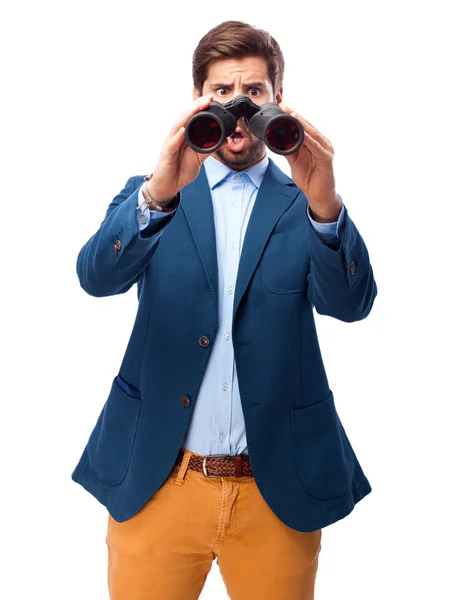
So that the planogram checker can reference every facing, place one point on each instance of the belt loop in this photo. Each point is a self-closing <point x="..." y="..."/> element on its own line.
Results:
<point x="183" y="467"/>
<point x="238" y="466"/>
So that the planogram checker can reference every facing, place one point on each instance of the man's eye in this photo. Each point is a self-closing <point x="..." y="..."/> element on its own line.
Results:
<point x="218" y="89"/>
<point x="257" y="89"/>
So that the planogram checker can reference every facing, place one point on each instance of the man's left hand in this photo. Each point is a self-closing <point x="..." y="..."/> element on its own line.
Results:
<point x="312" y="171"/>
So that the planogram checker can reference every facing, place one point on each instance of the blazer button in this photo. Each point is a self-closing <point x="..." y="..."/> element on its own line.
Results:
<point x="204" y="341"/>
<point x="117" y="246"/>
<point x="352" y="267"/>
<point x="185" y="401"/>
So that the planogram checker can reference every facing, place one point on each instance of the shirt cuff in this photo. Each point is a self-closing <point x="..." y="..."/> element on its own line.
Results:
<point x="147" y="216"/>
<point x="329" y="231"/>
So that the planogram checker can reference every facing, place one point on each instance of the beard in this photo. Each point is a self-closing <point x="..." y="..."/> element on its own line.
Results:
<point x="253" y="153"/>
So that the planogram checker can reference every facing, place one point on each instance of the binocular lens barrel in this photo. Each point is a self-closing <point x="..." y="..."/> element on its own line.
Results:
<point x="205" y="133"/>
<point x="282" y="134"/>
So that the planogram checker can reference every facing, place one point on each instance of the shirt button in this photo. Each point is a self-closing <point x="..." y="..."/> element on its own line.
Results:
<point x="237" y="176"/>
<point x="185" y="401"/>
<point x="143" y="219"/>
<point x="236" y="204"/>
<point x="230" y="290"/>
<point x="204" y="341"/>
<point x="232" y="246"/>
<point x="225" y="387"/>
<point x="221" y="438"/>
<point x="227" y="336"/>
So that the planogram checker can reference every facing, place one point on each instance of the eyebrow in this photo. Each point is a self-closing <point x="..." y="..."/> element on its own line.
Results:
<point x="250" y="84"/>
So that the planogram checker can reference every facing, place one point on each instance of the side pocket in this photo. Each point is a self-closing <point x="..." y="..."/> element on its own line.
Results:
<point x="325" y="463"/>
<point x="127" y="387"/>
<point x="112" y="440"/>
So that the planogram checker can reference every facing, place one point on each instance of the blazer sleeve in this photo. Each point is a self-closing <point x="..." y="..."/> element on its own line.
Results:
<point x="341" y="281"/>
<point x="115" y="257"/>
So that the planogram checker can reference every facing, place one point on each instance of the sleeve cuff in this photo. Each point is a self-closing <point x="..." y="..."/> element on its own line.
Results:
<point x="147" y="216"/>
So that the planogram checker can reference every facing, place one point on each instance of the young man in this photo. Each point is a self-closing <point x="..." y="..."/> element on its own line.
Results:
<point x="220" y="437"/>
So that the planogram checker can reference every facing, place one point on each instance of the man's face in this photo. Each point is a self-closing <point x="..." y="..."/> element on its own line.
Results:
<point x="226" y="79"/>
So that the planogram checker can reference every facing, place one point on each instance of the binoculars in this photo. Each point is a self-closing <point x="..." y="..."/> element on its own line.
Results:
<point x="207" y="130"/>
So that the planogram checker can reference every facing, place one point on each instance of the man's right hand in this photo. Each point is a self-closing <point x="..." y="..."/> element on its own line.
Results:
<point x="178" y="164"/>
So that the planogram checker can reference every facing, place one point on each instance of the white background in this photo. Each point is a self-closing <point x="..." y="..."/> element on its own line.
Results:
<point x="89" y="91"/>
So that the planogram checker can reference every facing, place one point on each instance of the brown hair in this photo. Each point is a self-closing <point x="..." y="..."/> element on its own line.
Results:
<point x="237" y="39"/>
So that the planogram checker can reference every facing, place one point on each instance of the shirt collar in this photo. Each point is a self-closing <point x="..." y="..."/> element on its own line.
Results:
<point x="217" y="171"/>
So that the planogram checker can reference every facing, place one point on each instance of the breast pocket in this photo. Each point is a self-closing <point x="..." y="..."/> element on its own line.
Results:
<point x="284" y="265"/>
<point x="112" y="439"/>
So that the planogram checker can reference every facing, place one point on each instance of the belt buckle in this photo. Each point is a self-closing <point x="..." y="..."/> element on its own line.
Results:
<point x="204" y="465"/>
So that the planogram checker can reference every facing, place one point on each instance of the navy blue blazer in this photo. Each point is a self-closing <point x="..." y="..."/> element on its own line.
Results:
<point x="302" y="459"/>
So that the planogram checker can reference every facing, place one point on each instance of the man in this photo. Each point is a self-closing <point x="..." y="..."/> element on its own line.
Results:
<point x="220" y="437"/>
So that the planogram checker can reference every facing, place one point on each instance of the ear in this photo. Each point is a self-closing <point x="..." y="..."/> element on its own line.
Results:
<point x="196" y="93"/>
<point x="279" y="96"/>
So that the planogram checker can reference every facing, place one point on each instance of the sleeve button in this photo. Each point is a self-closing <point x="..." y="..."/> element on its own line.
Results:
<point x="352" y="267"/>
<point x="204" y="341"/>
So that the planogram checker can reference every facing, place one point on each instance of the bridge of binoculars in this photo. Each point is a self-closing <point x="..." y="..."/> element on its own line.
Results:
<point x="207" y="130"/>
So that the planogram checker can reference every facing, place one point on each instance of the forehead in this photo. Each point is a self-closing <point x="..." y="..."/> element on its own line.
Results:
<point x="253" y="68"/>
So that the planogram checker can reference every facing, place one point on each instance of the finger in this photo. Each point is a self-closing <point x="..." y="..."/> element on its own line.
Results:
<point x="283" y="106"/>
<point x="184" y="147"/>
<point x="313" y="131"/>
<point x="178" y="145"/>
<point x="199" y="104"/>
<point x="175" y="142"/>
<point x="317" y="149"/>
<point x="292" y="158"/>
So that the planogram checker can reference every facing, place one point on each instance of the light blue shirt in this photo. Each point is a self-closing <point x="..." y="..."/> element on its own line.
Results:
<point x="217" y="425"/>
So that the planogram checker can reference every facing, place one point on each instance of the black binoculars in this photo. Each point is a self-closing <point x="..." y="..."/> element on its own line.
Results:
<point x="207" y="130"/>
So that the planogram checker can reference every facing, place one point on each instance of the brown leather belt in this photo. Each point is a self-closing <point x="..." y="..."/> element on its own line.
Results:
<point x="219" y="465"/>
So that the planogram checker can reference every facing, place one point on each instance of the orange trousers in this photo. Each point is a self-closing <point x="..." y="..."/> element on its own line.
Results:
<point x="165" y="551"/>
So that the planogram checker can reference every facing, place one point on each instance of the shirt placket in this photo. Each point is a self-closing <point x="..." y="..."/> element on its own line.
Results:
<point x="232" y="258"/>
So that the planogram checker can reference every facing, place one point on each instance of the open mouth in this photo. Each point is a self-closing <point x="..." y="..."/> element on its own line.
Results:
<point x="237" y="140"/>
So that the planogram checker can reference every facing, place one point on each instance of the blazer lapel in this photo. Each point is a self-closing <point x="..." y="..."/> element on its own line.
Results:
<point x="196" y="202"/>
<point x="276" y="193"/>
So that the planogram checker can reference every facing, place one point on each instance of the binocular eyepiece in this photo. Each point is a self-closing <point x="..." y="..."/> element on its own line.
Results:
<point x="207" y="130"/>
